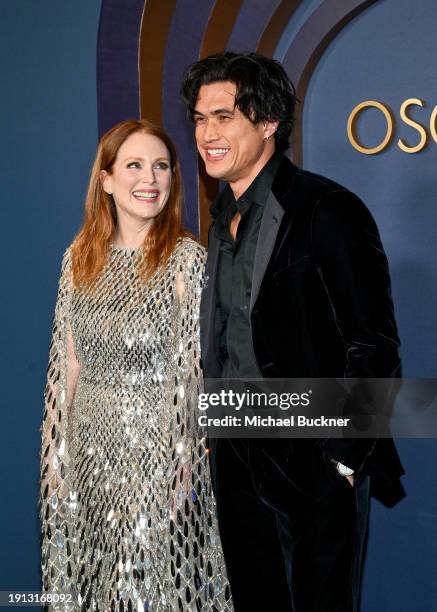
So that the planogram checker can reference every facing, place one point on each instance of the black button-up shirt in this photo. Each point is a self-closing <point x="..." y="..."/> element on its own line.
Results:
<point x="235" y="271"/>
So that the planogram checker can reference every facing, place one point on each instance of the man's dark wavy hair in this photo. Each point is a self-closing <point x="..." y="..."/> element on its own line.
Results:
<point x="264" y="90"/>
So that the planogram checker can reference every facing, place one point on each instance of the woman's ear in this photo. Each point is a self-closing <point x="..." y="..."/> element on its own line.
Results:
<point x="106" y="180"/>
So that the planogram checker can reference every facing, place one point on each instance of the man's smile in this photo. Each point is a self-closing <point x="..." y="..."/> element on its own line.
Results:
<point x="216" y="153"/>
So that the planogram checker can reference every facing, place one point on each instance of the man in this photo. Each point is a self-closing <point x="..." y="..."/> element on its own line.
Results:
<point x="298" y="286"/>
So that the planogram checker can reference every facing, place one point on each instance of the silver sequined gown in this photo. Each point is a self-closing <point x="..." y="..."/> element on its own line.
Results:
<point x="127" y="510"/>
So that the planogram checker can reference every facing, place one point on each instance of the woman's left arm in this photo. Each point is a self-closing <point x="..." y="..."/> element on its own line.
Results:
<point x="186" y="362"/>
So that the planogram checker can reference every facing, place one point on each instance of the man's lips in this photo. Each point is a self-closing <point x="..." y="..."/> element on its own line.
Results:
<point x="150" y="195"/>
<point x="216" y="153"/>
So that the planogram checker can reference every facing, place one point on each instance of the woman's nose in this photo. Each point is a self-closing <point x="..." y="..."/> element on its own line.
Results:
<point x="148" y="175"/>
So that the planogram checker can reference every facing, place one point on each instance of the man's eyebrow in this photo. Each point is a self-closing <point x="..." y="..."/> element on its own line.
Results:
<point x="223" y="111"/>
<point x="218" y="111"/>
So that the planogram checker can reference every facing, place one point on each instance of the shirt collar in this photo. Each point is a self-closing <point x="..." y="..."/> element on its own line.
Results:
<point x="257" y="192"/>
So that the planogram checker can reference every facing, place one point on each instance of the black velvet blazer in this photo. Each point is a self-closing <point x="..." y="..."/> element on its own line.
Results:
<point x="321" y="302"/>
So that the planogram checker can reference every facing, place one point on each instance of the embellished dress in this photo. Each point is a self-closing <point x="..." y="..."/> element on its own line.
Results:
<point x="127" y="510"/>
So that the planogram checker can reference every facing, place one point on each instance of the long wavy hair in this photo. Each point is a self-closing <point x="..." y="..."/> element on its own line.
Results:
<point x="91" y="245"/>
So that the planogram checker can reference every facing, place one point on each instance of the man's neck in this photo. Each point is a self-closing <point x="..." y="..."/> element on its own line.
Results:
<point x="240" y="185"/>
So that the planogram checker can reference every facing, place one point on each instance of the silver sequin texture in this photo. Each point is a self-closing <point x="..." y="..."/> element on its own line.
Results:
<point x="128" y="515"/>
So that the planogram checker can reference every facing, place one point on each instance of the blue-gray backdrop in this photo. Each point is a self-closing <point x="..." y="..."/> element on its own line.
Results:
<point x="389" y="54"/>
<point x="49" y="134"/>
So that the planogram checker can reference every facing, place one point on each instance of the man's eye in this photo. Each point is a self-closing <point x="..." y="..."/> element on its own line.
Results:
<point x="161" y="166"/>
<point x="134" y="165"/>
<point x="223" y="117"/>
<point x="198" y="120"/>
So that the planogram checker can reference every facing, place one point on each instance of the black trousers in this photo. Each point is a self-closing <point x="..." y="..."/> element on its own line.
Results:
<point x="292" y="528"/>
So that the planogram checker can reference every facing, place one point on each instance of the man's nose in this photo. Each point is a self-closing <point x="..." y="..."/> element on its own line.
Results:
<point x="210" y="133"/>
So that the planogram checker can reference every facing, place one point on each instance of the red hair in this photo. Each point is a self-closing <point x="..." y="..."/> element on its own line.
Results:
<point x="91" y="245"/>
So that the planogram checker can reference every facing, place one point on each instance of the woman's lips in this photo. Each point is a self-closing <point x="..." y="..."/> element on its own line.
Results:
<point x="146" y="196"/>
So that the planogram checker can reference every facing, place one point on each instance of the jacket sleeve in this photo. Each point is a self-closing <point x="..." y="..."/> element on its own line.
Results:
<point x="57" y="496"/>
<point x="354" y="271"/>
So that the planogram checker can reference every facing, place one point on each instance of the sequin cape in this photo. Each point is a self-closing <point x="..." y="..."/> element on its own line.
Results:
<point x="127" y="511"/>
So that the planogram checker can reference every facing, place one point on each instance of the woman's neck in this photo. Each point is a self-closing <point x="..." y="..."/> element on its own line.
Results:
<point x="131" y="235"/>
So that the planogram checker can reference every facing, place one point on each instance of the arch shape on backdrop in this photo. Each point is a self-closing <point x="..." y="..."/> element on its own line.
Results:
<point x="308" y="46"/>
<point x="117" y="62"/>
<point x="215" y="40"/>
<point x="276" y="26"/>
<point x="155" y="26"/>
<point x="300" y="60"/>
<point x="137" y="58"/>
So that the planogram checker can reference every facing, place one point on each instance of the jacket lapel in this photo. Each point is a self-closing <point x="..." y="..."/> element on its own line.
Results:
<point x="268" y="233"/>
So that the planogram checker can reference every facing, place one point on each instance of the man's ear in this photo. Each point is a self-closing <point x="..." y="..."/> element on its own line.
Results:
<point x="106" y="180"/>
<point x="270" y="128"/>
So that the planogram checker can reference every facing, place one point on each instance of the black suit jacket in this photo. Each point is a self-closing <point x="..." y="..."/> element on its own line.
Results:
<point x="320" y="303"/>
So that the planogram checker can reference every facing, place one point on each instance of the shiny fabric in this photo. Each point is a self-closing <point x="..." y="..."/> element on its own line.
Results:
<point x="128" y="515"/>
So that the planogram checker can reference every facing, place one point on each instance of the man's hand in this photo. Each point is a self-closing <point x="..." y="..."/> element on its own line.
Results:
<point x="344" y="471"/>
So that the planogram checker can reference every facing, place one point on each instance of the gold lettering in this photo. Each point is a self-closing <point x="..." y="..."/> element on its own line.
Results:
<point x="417" y="126"/>
<point x="432" y="124"/>
<point x="351" y="131"/>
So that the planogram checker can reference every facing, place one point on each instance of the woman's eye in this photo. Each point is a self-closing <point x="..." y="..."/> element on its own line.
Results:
<point x="161" y="166"/>
<point x="134" y="165"/>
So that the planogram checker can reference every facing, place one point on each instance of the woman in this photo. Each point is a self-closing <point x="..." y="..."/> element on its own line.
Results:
<point x="126" y="502"/>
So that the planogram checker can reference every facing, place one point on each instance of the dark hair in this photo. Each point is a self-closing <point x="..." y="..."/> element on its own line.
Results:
<point x="264" y="90"/>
